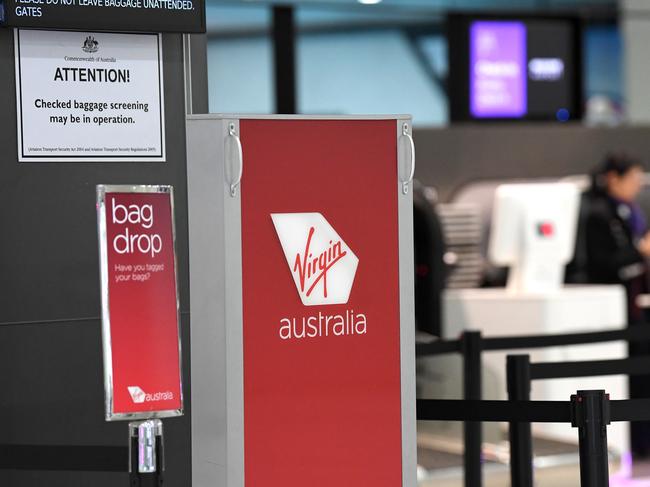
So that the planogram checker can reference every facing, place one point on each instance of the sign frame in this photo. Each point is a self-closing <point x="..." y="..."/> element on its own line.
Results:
<point x="110" y="415"/>
<point x="20" y="142"/>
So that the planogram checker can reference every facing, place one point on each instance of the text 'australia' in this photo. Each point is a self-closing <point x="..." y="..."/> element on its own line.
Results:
<point x="323" y="325"/>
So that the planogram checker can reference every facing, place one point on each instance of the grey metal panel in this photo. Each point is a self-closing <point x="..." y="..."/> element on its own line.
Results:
<point x="207" y="301"/>
<point x="53" y="395"/>
<point x="234" y="326"/>
<point x="216" y="302"/>
<point x="407" y="324"/>
<point x="635" y="27"/>
<point x="195" y="57"/>
<point x="49" y="266"/>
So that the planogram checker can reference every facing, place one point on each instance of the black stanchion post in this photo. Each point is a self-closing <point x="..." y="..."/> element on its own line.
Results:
<point x="521" y="441"/>
<point x="590" y="413"/>
<point x="134" y="474"/>
<point x="471" y="349"/>
<point x="284" y="40"/>
<point x="160" y="459"/>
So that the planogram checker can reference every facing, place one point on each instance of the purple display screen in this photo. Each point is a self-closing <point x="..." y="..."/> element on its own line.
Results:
<point x="497" y="69"/>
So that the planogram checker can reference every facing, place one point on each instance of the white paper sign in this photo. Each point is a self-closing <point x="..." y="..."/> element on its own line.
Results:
<point x="89" y="97"/>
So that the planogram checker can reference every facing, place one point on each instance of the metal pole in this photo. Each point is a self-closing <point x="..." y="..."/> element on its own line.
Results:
<point x="590" y="414"/>
<point x="521" y="442"/>
<point x="471" y="349"/>
<point x="284" y="57"/>
<point x="146" y="454"/>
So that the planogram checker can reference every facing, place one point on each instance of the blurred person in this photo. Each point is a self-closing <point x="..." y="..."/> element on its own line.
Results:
<point x="618" y="246"/>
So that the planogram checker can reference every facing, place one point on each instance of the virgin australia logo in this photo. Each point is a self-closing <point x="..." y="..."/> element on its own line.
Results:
<point x="137" y="394"/>
<point x="90" y="45"/>
<point x="322" y="265"/>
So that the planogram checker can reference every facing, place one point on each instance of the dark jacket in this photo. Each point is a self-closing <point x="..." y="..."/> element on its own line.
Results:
<point x="430" y="268"/>
<point x="612" y="255"/>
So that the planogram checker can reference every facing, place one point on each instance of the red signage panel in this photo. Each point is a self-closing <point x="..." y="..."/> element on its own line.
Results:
<point x="321" y="303"/>
<point x="140" y="320"/>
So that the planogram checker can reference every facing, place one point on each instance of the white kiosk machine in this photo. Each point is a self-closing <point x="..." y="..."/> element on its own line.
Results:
<point x="533" y="232"/>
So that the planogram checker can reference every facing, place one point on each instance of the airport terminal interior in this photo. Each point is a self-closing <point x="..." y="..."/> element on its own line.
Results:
<point x="324" y="243"/>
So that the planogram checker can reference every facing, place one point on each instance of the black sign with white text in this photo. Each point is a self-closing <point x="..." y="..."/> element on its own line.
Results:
<point x="187" y="16"/>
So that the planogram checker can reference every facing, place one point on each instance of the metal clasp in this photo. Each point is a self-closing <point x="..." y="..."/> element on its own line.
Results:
<point x="407" y="139"/>
<point x="147" y="433"/>
<point x="239" y="159"/>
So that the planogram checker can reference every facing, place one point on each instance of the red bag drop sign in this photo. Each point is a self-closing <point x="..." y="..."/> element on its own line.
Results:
<point x="140" y="323"/>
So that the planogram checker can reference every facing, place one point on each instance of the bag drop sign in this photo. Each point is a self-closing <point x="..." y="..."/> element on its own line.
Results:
<point x="143" y="243"/>
<point x="89" y="97"/>
<point x="139" y="302"/>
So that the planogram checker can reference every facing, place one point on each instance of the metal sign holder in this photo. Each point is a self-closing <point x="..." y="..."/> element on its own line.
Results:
<point x="107" y="340"/>
<point x="146" y="439"/>
<point x="146" y="453"/>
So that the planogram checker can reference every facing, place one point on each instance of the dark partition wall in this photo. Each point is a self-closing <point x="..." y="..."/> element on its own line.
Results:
<point x="449" y="157"/>
<point x="51" y="383"/>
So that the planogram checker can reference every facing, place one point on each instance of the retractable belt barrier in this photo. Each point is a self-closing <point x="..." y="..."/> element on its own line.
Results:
<point x="522" y="411"/>
<point x="472" y="344"/>
<point x="590" y="368"/>
<point x="493" y="411"/>
<point x="520" y="374"/>
<point x="518" y="411"/>
<point x="440" y="347"/>
<point x="589" y="411"/>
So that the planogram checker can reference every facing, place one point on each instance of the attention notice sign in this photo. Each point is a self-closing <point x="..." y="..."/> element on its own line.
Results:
<point x="140" y="323"/>
<point x="186" y="16"/>
<point x="89" y="97"/>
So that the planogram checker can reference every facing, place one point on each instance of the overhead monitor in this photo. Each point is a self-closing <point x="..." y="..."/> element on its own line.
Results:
<point x="514" y="68"/>
<point x="533" y="232"/>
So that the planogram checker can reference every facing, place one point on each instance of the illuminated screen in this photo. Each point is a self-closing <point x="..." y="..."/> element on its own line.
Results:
<point x="497" y="69"/>
<point x="514" y="69"/>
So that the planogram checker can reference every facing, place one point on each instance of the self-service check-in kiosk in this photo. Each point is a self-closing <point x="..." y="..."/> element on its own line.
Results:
<point x="301" y="264"/>
<point x="533" y="232"/>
